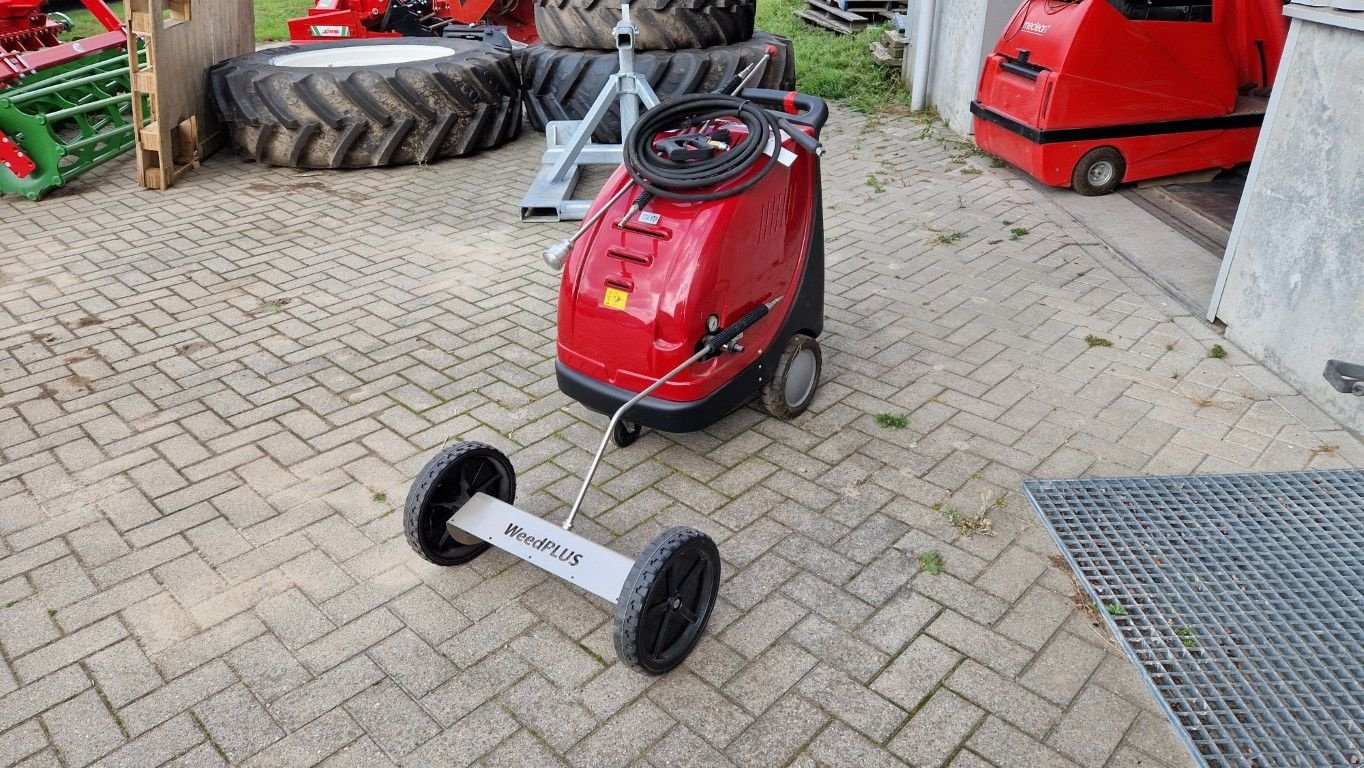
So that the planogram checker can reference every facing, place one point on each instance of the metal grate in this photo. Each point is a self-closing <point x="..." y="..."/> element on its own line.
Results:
<point x="1239" y="597"/>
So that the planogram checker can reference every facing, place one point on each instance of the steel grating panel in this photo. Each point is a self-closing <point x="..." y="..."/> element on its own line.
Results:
<point x="1239" y="597"/>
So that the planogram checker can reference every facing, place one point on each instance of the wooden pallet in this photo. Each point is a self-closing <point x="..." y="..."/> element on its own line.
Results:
<point x="832" y="17"/>
<point x="849" y="16"/>
<point x="183" y="38"/>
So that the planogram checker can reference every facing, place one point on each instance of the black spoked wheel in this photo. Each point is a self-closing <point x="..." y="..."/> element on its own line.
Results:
<point x="625" y="433"/>
<point x="792" y="386"/>
<point x="667" y="600"/>
<point x="444" y="485"/>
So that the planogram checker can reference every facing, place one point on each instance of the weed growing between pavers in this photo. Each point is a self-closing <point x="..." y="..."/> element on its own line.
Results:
<point x="875" y="183"/>
<point x="1217" y="352"/>
<point x="1325" y="449"/>
<point x="1018" y="233"/>
<point x="948" y="238"/>
<point x="1097" y="341"/>
<point x="892" y="420"/>
<point x="931" y="562"/>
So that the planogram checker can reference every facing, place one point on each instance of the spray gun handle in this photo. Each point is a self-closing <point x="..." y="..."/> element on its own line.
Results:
<point x="726" y="336"/>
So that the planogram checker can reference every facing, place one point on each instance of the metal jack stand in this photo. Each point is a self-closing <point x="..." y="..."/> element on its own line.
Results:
<point x="569" y="142"/>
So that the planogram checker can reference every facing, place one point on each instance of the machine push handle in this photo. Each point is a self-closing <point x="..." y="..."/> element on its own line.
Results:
<point x="800" y="108"/>
<point x="725" y="336"/>
<point x="806" y="141"/>
<point x="1346" y="378"/>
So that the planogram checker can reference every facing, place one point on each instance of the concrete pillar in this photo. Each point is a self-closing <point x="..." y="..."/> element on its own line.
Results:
<point x="965" y="31"/>
<point x="1291" y="289"/>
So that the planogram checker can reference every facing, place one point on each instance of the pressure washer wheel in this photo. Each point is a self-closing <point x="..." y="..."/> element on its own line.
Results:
<point x="792" y="386"/>
<point x="667" y="600"/>
<point x="625" y="433"/>
<point x="444" y="485"/>
<point x="1099" y="172"/>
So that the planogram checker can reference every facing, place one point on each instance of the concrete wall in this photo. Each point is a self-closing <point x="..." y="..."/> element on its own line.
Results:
<point x="1292" y="284"/>
<point x="965" y="31"/>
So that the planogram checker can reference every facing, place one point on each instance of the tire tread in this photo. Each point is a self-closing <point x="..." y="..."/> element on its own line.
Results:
<point x="356" y="117"/>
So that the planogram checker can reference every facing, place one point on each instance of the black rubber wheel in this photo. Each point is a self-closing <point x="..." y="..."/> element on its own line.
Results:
<point x="667" y="600"/>
<point x="1099" y="172"/>
<point x="329" y="105"/>
<point x="792" y="386"/>
<point x="625" y="433"/>
<point x="447" y="481"/>
<point x="664" y="25"/>
<point x="562" y="83"/>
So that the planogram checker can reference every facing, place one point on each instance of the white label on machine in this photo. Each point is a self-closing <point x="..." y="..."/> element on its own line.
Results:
<point x="545" y="545"/>
<point x="786" y="157"/>
<point x="649" y="217"/>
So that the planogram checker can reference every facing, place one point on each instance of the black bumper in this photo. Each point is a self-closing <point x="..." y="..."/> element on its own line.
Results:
<point x="666" y="415"/>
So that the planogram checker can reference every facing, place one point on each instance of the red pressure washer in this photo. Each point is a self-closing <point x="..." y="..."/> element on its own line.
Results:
<point x="721" y="242"/>
<point x="719" y="225"/>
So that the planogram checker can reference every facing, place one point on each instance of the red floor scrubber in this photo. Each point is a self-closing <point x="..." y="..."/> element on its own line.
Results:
<point x="1093" y="93"/>
<point x="695" y="284"/>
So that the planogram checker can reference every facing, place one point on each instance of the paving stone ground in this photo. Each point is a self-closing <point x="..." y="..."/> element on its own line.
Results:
<point x="212" y="401"/>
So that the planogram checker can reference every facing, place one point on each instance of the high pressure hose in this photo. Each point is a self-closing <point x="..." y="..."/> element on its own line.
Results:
<point x="675" y="180"/>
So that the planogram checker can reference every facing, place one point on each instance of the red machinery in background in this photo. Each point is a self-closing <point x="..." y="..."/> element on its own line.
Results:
<point x="29" y="38"/>
<point x="1093" y="93"/>
<point x="350" y="19"/>
<point x="64" y="106"/>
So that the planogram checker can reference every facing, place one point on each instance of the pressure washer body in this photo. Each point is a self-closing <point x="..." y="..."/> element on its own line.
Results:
<point x="645" y="285"/>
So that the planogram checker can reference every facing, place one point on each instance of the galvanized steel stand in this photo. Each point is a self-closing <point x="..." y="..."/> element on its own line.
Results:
<point x="569" y="143"/>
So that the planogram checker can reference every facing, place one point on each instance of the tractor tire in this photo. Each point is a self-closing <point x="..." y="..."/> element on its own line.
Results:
<point x="663" y="25"/>
<point x="368" y="103"/>
<point x="562" y="83"/>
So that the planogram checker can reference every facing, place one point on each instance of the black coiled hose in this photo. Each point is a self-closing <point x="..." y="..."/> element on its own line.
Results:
<point x="675" y="180"/>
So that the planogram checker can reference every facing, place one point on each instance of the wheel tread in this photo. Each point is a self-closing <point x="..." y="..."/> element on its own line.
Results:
<point x="350" y="117"/>
<point x="562" y="83"/>
<point x="630" y="604"/>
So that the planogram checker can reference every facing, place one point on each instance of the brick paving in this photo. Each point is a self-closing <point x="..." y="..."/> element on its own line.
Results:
<point x="212" y="401"/>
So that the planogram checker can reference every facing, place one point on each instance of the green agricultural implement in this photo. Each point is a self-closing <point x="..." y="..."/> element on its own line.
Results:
<point x="64" y="107"/>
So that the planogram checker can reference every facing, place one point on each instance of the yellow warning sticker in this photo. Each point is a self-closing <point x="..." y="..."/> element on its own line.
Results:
<point x="615" y="298"/>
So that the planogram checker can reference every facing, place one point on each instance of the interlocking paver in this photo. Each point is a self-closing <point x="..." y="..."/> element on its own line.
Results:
<point x="210" y="415"/>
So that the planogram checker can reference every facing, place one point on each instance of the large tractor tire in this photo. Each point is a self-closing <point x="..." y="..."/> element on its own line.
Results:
<point x="562" y="83"/>
<point x="663" y="25"/>
<point x="368" y="103"/>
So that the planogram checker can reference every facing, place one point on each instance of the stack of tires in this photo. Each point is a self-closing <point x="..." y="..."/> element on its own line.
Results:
<point x="683" y="46"/>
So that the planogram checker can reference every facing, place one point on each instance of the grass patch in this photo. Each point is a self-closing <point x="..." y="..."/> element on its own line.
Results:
<point x="271" y="18"/>
<point x="1018" y="233"/>
<point x="835" y="67"/>
<point x="380" y="496"/>
<point x="875" y="183"/>
<point x="1217" y="352"/>
<point x="1115" y="609"/>
<point x="1097" y="341"/>
<point x="892" y="420"/>
<point x="948" y="238"/>
<point x="970" y="170"/>
<point x="931" y="563"/>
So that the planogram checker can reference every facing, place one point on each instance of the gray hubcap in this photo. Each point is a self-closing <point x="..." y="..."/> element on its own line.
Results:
<point x="1101" y="173"/>
<point x="800" y="379"/>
